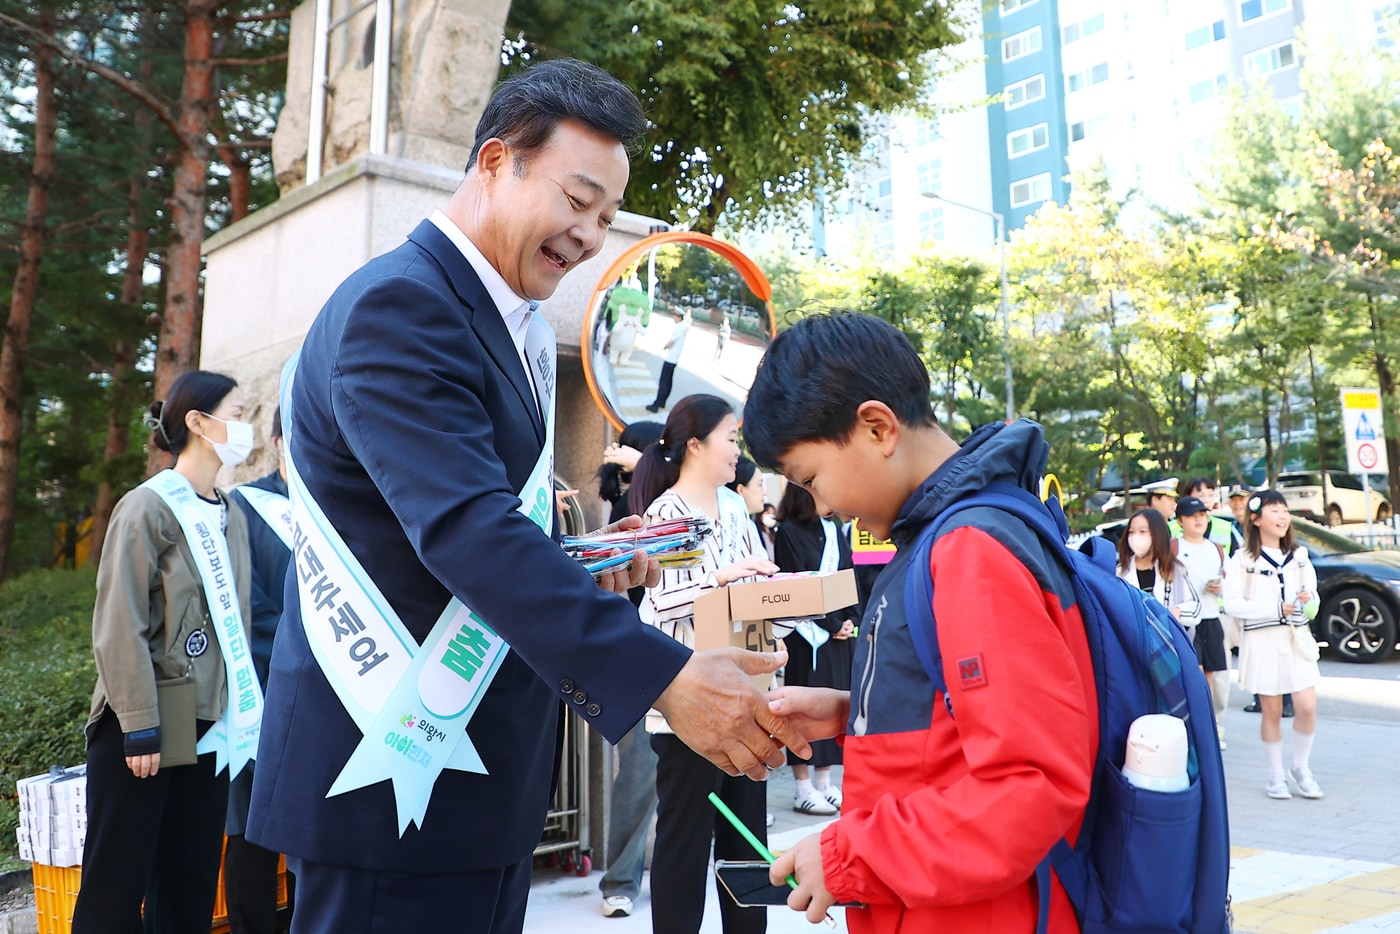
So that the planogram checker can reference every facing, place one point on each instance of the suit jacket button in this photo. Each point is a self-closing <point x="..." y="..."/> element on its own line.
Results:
<point x="594" y="709"/>
<point x="580" y="697"/>
<point x="566" y="686"/>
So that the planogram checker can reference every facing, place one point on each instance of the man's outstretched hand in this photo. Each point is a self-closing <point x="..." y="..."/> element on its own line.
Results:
<point x="714" y="708"/>
<point x="644" y="570"/>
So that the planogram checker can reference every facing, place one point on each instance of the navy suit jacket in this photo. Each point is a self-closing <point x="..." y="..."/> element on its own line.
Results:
<point x="414" y="426"/>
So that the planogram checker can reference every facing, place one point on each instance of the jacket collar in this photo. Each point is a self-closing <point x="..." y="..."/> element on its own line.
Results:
<point x="490" y="328"/>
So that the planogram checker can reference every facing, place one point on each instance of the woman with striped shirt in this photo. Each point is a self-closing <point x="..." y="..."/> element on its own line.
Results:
<point x="683" y="474"/>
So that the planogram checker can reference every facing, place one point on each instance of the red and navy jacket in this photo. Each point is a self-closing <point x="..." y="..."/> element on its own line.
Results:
<point x="950" y="802"/>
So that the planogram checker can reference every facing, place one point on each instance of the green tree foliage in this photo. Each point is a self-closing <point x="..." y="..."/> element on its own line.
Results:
<point x="754" y="103"/>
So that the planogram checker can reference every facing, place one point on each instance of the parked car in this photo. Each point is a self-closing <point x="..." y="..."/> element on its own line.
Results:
<point x="1359" y="589"/>
<point x="1360" y="592"/>
<point x="1337" y="498"/>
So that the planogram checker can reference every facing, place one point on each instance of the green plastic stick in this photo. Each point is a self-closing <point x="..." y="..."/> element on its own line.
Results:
<point x="747" y="834"/>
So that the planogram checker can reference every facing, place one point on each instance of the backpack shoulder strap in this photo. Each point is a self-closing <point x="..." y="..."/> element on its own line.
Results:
<point x="918" y="586"/>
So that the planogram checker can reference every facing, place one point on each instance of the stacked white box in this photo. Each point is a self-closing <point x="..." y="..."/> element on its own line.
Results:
<point x="53" y="817"/>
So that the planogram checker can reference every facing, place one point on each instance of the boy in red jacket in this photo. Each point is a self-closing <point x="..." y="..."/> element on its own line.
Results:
<point x="950" y="800"/>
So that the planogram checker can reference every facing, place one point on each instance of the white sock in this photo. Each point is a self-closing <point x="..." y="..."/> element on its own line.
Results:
<point x="821" y="779"/>
<point x="804" y="787"/>
<point x="1275" y="753"/>
<point x="1302" y="748"/>
<point x="1220" y="695"/>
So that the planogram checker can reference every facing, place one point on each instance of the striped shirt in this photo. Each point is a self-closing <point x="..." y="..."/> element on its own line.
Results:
<point x="670" y="605"/>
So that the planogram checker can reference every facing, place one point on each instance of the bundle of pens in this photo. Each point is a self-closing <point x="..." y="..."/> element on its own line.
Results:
<point x="675" y="543"/>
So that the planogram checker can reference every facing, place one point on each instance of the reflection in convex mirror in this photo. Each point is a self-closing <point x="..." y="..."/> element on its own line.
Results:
<point x="677" y="314"/>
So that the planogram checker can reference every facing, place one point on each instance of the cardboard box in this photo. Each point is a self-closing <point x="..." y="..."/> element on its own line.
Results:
<point x="742" y="614"/>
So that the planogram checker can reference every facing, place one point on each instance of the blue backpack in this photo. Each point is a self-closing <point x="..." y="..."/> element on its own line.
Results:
<point x="1148" y="862"/>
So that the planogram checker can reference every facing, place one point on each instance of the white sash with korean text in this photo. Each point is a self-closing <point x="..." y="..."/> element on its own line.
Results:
<point x="234" y="738"/>
<point x="274" y="509"/>
<point x="412" y="703"/>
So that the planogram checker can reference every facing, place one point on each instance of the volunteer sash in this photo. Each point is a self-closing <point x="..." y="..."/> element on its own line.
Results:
<point x="274" y="509"/>
<point x="234" y="738"/>
<point x="412" y="703"/>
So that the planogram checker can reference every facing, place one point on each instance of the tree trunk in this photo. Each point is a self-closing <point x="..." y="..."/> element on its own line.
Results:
<point x="177" y="348"/>
<point x="1317" y="413"/>
<point x="26" y="286"/>
<point x="240" y="181"/>
<point x="1268" y="438"/>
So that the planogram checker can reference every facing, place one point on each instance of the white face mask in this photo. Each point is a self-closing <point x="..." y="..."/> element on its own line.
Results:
<point x="1141" y="545"/>
<point x="769" y="522"/>
<point x="239" y="445"/>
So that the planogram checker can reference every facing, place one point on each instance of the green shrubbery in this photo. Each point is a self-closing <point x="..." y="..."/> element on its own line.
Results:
<point x="46" y="679"/>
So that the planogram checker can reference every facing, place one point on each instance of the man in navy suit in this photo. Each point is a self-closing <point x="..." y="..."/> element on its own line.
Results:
<point x="415" y="420"/>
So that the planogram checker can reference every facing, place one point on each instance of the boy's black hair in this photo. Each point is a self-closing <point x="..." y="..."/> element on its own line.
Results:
<point x="819" y="371"/>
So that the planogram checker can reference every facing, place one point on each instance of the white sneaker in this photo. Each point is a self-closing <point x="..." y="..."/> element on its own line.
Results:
<point x="1307" y="785"/>
<point x="616" y="906"/>
<point x="1223" y="747"/>
<point x="814" y="803"/>
<point x="831" y="793"/>
<point x="769" y="820"/>
<point x="1278" y="787"/>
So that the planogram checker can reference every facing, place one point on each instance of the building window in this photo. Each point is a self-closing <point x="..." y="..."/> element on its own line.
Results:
<point x="1267" y="61"/>
<point x="930" y="175"/>
<point x="1206" y="35"/>
<point x="1293" y="106"/>
<point x="1257" y="9"/>
<point x="1011" y="6"/>
<point x="1204" y="90"/>
<point x="1025" y="92"/>
<point x="1020" y="45"/>
<point x="884" y="240"/>
<point x="1028" y="140"/>
<point x="925" y="133"/>
<point x="1086" y="78"/>
<point x="1030" y="190"/>
<point x="930" y="225"/>
<point x="884" y="188"/>
<point x="1083" y="128"/>
<point x="1083" y="29"/>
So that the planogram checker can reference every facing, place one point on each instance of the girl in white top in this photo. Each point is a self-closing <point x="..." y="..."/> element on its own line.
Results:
<point x="684" y="474"/>
<point x="1146" y="560"/>
<point x="1271" y="586"/>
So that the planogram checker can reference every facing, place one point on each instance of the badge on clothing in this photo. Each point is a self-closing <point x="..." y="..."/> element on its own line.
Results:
<point x="196" y="643"/>
<point x="971" y="674"/>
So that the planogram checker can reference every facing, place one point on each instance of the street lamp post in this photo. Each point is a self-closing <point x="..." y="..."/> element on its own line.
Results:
<point x="999" y="225"/>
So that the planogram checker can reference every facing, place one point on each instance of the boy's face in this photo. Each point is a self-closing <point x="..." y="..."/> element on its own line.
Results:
<point x="847" y="479"/>
<point x="1194" y="525"/>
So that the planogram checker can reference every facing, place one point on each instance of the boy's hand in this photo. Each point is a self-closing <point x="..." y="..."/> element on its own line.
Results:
<point x="804" y="863"/>
<point x="848" y="629"/>
<point x="1214" y="587"/>
<point x="817" y="713"/>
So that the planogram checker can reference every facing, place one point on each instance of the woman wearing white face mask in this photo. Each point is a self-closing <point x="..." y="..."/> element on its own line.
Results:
<point x="1147" y="560"/>
<point x="173" y="669"/>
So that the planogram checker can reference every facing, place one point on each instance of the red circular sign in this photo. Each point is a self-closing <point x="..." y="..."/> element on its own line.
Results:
<point x="1367" y="456"/>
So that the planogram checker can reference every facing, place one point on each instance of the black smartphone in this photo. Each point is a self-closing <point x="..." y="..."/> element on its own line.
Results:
<point x="747" y="883"/>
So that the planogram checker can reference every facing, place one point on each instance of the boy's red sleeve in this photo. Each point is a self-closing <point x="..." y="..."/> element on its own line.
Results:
<point x="1010" y="774"/>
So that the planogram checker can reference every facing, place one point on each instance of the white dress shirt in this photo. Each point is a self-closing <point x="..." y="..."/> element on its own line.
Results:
<point x="515" y="311"/>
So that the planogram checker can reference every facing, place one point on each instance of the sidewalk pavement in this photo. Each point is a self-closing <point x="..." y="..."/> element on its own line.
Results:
<point x="1297" y="866"/>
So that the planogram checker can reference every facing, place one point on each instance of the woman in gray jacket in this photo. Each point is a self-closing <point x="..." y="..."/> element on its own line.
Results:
<point x="169" y="638"/>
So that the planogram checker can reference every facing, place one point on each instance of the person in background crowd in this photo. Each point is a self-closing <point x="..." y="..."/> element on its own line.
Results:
<point x="820" y="653"/>
<point x="748" y="483"/>
<point x="1218" y="529"/>
<point x="684" y="475"/>
<point x="1161" y="496"/>
<point x="151" y="857"/>
<point x="1205" y="562"/>
<point x="250" y="872"/>
<point x="1271" y="586"/>
<point x="634" y="787"/>
<point x="675" y="346"/>
<point x="1147" y="560"/>
<point x="1239" y="497"/>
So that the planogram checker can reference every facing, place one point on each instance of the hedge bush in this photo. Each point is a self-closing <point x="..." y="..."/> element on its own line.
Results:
<point x="46" y="679"/>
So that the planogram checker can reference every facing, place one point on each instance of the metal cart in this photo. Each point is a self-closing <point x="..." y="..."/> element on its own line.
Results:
<point x="565" y="841"/>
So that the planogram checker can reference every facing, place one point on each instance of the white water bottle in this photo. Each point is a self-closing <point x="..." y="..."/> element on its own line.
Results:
<point x="1156" y="754"/>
